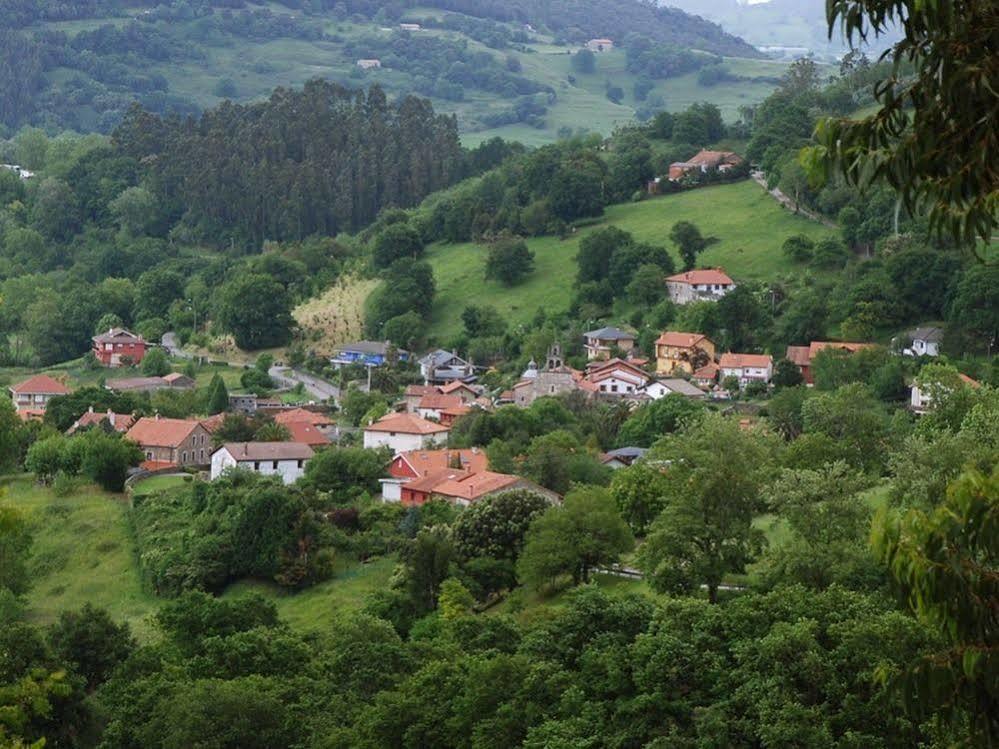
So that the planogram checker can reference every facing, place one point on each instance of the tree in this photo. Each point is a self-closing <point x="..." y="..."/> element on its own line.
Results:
<point x="798" y="248"/>
<point x="706" y="528"/>
<point x="509" y="260"/>
<point x="648" y="285"/>
<point x="256" y="309"/>
<point x="155" y="363"/>
<point x="640" y="493"/>
<point x="345" y="471"/>
<point x="45" y="458"/>
<point x="107" y="459"/>
<point x="654" y="420"/>
<point x="584" y="61"/>
<point x="583" y="533"/>
<point x="155" y="290"/>
<point x="55" y="212"/>
<point x="689" y="242"/>
<point x="496" y="526"/>
<point x="974" y="306"/>
<point x="394" y="242"/>
<point x="853" y="418"/>
<point x="482" y="321"/>
<point x="218" y="396"/>
<point x="135" y="210"/>
<point x="787" y="374"/>
<point x="426" y="561"/>
<point x="597" y="251"/>
<point x="91" y="641"/>
<point x="944" y="563"/>
<point x="271" y="431"/>
<point x="15" y="543"/>
<point x="404" y="330"/>
<point x="10" y="433"/>
<point x="936" y="101"/>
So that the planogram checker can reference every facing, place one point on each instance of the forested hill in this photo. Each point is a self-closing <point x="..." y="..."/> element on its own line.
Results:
<point x="80" y="64"/>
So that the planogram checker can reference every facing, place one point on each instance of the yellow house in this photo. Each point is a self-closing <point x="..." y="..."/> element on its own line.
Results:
<point x="685" y="352"/>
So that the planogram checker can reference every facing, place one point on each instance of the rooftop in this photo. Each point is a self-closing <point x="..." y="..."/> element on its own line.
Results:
<point x="713" y="276"/>
<point x="268" y="450"/>
<point x="738" y="361"/>
<point x="680" y="340"/>
<point x="681" y="386"/>
<point x="160" y="432"/>
<point x="117" y="335"/>
<point x="927" y="334"/>
<point x="425" y="462"/>
<point x="610" y="334"/>
<point x="405" y="424"/>
<point x="302" y="415"/>
<point x="305" y="433"/>
<point x="40" y="384"/>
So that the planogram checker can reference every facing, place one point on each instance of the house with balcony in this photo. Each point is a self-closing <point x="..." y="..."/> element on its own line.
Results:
<point x="118" y="348"/>
<point x="683" y="352"/>
<point x="703" y="285"/>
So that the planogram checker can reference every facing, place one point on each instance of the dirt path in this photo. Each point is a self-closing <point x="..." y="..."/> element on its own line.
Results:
<point x="788" y="203"/>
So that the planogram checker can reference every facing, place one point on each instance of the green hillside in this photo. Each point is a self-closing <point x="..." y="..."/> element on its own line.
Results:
<point x="748" y="223"/>
<point x="80" y="65"/>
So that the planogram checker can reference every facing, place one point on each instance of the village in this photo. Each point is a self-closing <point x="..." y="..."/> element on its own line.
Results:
<point x="420" y="463"/>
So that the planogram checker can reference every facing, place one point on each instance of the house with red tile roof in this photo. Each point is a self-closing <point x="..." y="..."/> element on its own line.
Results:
<point x="120" y="423"/>
<point x="803" y="356"/>
<point x="418" y="464"/>
<point x="705" y="284"/>
<point x="616" y="378"/>
<point x="32" y="396"/>
<point x="305" y="434"/>
<point x="704" y="161"/>
<point x="746" y="367"/>
<point x="402" y="432"/>
<point x="284" y="459"/>
<point x="462" y="487"/>
<point x="178" y="442"/>
<point x="118" y="348"/>
<point x="320" y="421"/>
<point x="687" y="352"/>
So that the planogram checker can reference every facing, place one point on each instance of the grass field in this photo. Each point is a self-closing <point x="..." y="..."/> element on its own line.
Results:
<point x="748" y="223"/>
<point x="335" y="317"/>
<point x="83" y="552"/>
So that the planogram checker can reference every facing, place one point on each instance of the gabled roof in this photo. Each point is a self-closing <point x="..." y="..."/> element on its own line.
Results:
<point x="136" y="383"/>
<point x="175" y="377"/>
<point x="681" y="340"/>
<point x="738" y="361"/>
<point x="927" y="334"/>
<point x="118" y="422"/>
<point x="456" y="385"/>
<point x="708" y="372"/>
<point x="160" y="432"/>
<point x="41" y="384"/>
<point x="681" y="387"/>
<point x="610" y="334"/>
<point x="405" y="424"/>
<point x="305" y="433"/>
<point x="440" y="357"/>
<point x="117" y="335"/>
<point x="714" y="158"/>
<point x="599" y="369"/>
<point x="425" y="462"/>
<point x="302" y="415"/>
<point x="702" y="276"/>
<point x="471" y="486"/>
<point x="413" y="391"/>
<point x="439" y="401"/>
<point x="816" y="346"/>
<point x="245" y="451"/>
<point x="213" y="422"/>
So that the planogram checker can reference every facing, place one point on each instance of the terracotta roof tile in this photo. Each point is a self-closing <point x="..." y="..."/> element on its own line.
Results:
<point x="302" y="415"/>
<point x="159" y="432"/>
<point x="680" y="340"/>
<point x="798" y="355"/>
<point x="405" y="424"/>
<point x="41" y="384"/>
<point x="738" y="361"/>
<point x="304" y="433"/>
<point x="268" y="450"/>
<point x="440" y="401"/>
<point x="425" y="462"/>
<point x="702" y="276"/>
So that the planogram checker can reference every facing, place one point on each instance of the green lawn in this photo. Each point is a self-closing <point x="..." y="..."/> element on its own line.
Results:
<point x="158" y="484"/>
<point x="749" y="224"/>
<point x="83" y="552"/>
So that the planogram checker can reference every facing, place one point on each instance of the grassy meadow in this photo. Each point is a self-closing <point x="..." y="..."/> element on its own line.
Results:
<point x="748" y="223"/>
<point x="84" y="551"/>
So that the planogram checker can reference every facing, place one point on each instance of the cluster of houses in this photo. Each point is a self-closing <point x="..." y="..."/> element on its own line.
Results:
<point x="702" y="164"/>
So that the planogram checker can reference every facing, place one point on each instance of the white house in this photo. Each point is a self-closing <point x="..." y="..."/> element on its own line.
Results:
<point x="617" y="377"/>
<point x="657" y="389"/>
<point x="925" y="342"/>
<point x="707" y="284"/>
<point x="403" y="432"/>
<point x="921" y="400"/>
<point x="600" y="45"/>
<point x="369" y="63"/>
<point x="284" y="459"/>
<point x="747" y="367"/>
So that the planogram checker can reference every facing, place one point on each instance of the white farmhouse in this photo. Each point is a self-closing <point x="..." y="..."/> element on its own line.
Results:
<point x="707" y="284"/>
<point x="746" y="367"/>
<point x="921" y="399"/>
<point x="403" y="431"/>
<point x="925" y="342"/>
<point x="284" y="459"/>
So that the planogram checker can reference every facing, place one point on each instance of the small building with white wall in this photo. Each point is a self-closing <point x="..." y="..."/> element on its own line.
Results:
<point x="284" y="459"/>
<point x="747" y="367"/>
<point x="403" y="431"/>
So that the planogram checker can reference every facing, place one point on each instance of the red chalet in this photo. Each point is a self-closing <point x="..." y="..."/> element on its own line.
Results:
<point x="118" y="348"/>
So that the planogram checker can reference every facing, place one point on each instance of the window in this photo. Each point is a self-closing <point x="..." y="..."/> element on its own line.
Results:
<point x="183" y="457"/>
<point x="613" y="388"/>
<point x="256" y="465"/>
<point x="149" y="455"/>
<point x="202" y="455"/>
<point x="274" y="464"/>
<point x="301" y="463"/>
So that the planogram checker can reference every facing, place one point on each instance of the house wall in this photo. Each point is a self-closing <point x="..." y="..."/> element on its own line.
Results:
<point x="38" y="401"/>
<point x="545" y="384"/>
<point x="747" y="374"/>
<point x="400" y="442"/>
<point x="685" y="293"/>
<point x="193" y="451"/>
<point x="289" y="470"/>
<point x="619" y="386"/>
<point x="110" y="354"/>
<point x="598" y="349"/>
<point x="670" y="359"/>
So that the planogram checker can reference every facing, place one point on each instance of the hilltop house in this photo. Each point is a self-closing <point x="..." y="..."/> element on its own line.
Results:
<point x="118" y="347"/>
<point x="600" y="45"/>
<point x="703" y="162"/>
<point x="746" y="367"/>
<point x="686" y="352"/>
<point x="171" y="442"/>
<point x="368" y="64"/>
<point x="367" y="353"/>
<point x="708" y="284"/>
<point x="802" y="356"/>
<point x="607" y="342"/>
<point x="32" y="396"/>
<point x="284" y="459"/>
<point x="440" y="367"/>
<point x="120" y="423"/>
<point x="925" y="342"/>
<point x="402" y="432"/>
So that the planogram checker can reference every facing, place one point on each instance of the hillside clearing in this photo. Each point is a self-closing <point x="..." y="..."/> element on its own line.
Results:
<point x="748" y="223"/>
<point x="335" y="317"/>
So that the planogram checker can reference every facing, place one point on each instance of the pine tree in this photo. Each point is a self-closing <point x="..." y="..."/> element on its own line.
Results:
<point x="218" y="396"/>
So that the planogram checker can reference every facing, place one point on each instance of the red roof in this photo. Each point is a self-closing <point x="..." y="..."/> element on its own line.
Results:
<point x="738" y="361"/>
<point x="457" y="385"/>
<point x="680" y="340"/>
<point x="306" y="434"/>
<point x="798" y="355"/>
<point x="817" y="346"/>
<point x="708" y="372"/>
<point x="213" y="422"/>
<point x="118" y="335"/>
<point x="968" y="381"/>
<point x="472" y="486"/>
<point x="405" y="424"/>
<point x="119" y="422"/>
<point x="425" y="462"/>
<point x="41" y="384"/>
<point x="302" y="415"/>
<point x="159" y="432"/>
<point x="702" y="276"/>
<point x="439" y="402"/>
<point x="420" y="390"/>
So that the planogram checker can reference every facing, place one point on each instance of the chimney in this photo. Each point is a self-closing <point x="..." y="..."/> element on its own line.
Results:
<point x="90" y="410"/>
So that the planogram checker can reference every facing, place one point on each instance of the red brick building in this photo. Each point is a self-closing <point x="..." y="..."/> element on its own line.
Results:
<point x="118" y="347"/>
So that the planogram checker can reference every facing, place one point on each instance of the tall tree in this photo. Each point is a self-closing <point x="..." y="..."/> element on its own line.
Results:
<point x="256" y="309"/>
